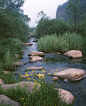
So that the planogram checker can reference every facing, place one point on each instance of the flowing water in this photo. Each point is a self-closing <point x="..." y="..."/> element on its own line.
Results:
<point x="55" y="62"/>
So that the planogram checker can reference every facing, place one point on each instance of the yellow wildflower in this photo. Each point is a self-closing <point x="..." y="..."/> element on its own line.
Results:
<point x="51" y="70"/>
<point x="56" y="70"/>
<point x="49" y="74"/>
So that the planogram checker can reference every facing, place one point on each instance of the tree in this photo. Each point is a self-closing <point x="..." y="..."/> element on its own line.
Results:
<point x="74" y="12"/>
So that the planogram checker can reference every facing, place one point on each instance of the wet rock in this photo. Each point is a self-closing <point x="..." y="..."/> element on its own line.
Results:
<point x="72" y="74"/>
<point x="65" y="96"/>
<point x="17" y="63"/>
<point x="35" y="53"/>
<point x="1" y="81"/>
<point x="55" y="78"/>
<point x="58" y="53"/>
<point x="73" y="54"/>
<point x="40" y="75"/>
<point x="26" y="44"/>
<point x="34" y="68"/>
<point x="35" y="58"/>
<point x="24" y="76"/>
<point x="29" y="85"/>
<point x="35" y="40"/>
<point x="4" y="100"/>
<point x="17" y="55"/>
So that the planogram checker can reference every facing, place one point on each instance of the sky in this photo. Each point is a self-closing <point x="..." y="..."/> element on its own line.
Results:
<point x="32" y="7"/>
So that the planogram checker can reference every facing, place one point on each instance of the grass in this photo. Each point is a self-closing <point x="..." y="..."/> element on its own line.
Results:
<point x="52" y="43"/>
<point x="45" y="96"/>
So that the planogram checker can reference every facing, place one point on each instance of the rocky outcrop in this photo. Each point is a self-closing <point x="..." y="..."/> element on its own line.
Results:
<point x="35" y="58"/>
<point x="29" y="85"/>
<point x="26" y="44"/>
<point x="73" y="54"/>
<point x="71" y="74"/>
<point x="4" y="100"/>
<point x="35" y="53"/>
<point x="34" y="68"/>
<point x="1" y="81"/>
<point x="65" y="96"/>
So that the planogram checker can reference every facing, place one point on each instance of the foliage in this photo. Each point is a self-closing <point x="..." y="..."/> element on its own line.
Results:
<point x="48" y="26"/>
<point x="52" y="43"/>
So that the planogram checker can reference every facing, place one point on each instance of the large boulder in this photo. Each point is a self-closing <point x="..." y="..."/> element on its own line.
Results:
<point x="34" y="68"/>
<point x="4" y="100"/>
<point x="29" y="85"/>
<point x="74" y="53"/>
<point x="35" y="58"/>
<point x="65" y="96"/>
<point x="71" y="74"/>
<point x="35" y="53"/>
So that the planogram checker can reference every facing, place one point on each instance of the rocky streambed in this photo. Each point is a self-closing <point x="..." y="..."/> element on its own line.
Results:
<point x="54" y="65"/>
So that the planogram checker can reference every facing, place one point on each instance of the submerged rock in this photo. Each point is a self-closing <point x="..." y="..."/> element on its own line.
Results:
<point x="4" y="100"/>
<point x="65" y="96"/>
<point x="35" y="58"/>
<point x="73" y="54"/>
<point x="72" y="74"/>
<point x="35" y="53"/>
<point x="34" y="68"/>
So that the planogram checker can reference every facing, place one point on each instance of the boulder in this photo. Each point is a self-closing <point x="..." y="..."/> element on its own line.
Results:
<point x="17" y="55"/>
<point x="34" y="68"/>
<point x="26" y="44"/>
<point x="4" y="100"/>
<point x="40" y="75"/>
<point x="55" y="78"/>
<point x="35" y="53"/>
<point x="35" y="40"/>
<point x="24" y="76"/>
<point x="71" y="74"/>
<point x="65" y="96"/>
<point x="17" y="63"/>
<point x="1" y="81"/>
<point x="29" y="85"/>
<point x="35" y="58"/>
<point x="73" y="54"/>
<point x="5" y="72"/>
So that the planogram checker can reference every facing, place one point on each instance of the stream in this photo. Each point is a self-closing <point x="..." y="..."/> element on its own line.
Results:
<point x="52" y="62"/>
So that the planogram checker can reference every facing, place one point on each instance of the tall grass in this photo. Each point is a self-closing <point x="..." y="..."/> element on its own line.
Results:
<point x="52" y="43"/>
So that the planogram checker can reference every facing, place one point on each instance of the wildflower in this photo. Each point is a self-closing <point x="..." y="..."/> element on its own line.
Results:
<point x="51" y="70"/>
<point x="42" y="81"/>
<point x="42" y="69"/>
<point x="22" y="98"/>
<point x="28" y="78"/>
<point x="49" y="74"/>
<point x="20" y="75"/>
<point x="56" y="70"/>
<point x="27" y="74"/>
<point x="31" y="73"/>
<point x="34" y="90"/>
<point x="26" y="98"/>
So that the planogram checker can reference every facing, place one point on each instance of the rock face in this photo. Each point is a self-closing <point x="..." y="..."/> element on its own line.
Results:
<point x="71" y="74"/>
<point x="29" y="85"/>
<point x="1" y="81"/>
<point x="35" y="53"/>
<point x="26" y="44"/>
<point x="66" y="96"/>
<point x="4" y="100"/>
<point x="34" y="68"/>
<point x="74" y="53"/>
<point x="35" y="58"/>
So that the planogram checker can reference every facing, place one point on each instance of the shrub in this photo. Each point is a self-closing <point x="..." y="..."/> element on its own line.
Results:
<point x="52" y="43"/>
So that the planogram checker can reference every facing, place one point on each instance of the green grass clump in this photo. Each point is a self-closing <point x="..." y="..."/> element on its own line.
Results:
<point x="54" y="43"/>
<point x="45" y="96"/>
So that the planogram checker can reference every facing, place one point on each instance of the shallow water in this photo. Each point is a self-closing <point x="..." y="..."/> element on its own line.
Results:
<point x="52" y="62"/>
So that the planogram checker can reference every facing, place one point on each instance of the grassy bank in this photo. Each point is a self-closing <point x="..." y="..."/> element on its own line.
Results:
<point x="54" y="43"/>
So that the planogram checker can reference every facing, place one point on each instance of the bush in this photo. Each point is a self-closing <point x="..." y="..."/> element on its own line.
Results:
<point x="52" y="43"/>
